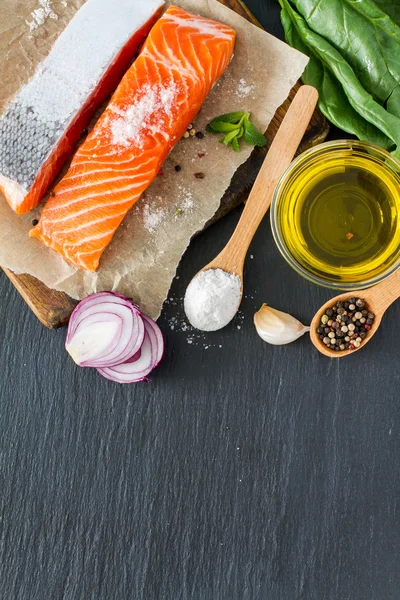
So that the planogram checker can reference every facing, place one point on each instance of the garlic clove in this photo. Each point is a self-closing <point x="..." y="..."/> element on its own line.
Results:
<point x="276" y="327"/>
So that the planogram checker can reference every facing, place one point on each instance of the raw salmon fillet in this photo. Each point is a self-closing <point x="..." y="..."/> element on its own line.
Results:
<point x="42" y="124"/>
<point x="157" y="99"/>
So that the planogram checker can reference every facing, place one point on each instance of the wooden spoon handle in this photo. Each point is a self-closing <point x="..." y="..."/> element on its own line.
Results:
<point x="386" y="292"/>
<point x="279" y="157"/>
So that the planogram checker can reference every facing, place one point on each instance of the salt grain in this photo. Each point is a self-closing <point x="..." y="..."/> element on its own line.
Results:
<point x="186" y="202"/>
<point x="212" y="299"/>
<point x="152" y="217"/>
<point x="146" y="113"/>
<point x="40" y="15"/>
<point x="243" y="90"/>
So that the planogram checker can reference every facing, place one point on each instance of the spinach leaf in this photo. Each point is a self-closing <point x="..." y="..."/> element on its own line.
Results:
<point x="364" y="35"/>
<point x="343" y="99"/>
<point x="392" y="8"/>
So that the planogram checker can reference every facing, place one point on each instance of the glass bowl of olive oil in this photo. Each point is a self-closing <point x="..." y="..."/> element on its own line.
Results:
<point x="335" y="214"/>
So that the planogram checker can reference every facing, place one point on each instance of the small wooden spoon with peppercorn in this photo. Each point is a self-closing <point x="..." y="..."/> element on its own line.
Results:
<point x="377" y="301"/>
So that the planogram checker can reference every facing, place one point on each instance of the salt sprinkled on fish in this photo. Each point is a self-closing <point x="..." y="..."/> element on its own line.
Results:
<point x="147" y="113"/>
<point x="42" y="124"/>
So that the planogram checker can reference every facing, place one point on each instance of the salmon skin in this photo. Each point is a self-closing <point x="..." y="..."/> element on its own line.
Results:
<point x="157" y="99"/>
<point x="42" y="124"/>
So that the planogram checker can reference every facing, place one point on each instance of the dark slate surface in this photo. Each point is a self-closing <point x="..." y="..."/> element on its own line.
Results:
<point x="242" y="472"/>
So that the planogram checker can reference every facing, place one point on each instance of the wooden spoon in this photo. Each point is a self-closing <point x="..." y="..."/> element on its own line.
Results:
<point x="378" y="299"/>
<point x="280" y="155"/>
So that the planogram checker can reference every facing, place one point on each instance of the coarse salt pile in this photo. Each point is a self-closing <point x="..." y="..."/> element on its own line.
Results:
<point x="147" y="112"/>
<point x="212" y="299"/>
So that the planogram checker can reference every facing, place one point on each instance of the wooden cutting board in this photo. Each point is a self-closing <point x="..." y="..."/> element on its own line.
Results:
<point x="53" y="308"/>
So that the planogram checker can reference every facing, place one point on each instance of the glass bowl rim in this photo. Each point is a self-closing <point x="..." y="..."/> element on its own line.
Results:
<point x="304" y="157"/>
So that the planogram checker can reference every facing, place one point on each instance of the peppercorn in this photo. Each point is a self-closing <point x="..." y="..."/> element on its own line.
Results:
<point x="35" y="222"/>
<point x="199" y="175"/>
<point x="178" y="168"/>
<point x="345" y="325"/>
<point x="200" y="135"/>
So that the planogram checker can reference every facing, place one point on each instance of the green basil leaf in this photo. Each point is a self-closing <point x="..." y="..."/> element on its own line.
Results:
<point x="230" y="136"/>
<point x="233" y="117"/>
<point x="235" y="144"/>
<point x="221" y="127"/>
<point x="252" y="136"/>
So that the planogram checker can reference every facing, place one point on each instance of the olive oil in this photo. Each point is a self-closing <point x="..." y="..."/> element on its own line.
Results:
<point x="339" y="216"/>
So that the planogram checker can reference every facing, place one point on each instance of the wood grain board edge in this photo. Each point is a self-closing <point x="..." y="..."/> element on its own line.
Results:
<point x="53" y="308"/>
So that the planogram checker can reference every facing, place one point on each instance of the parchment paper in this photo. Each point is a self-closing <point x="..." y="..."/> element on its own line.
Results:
<point x="142" y="259"/>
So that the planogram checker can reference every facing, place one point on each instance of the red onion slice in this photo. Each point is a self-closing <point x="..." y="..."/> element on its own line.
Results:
<point x="105" y="329"/>
<point x="138" y="367"/>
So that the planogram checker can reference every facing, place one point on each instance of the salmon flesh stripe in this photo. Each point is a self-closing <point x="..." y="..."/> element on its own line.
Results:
<point x="157" y="99"/>
<point x="42" y="124"/>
